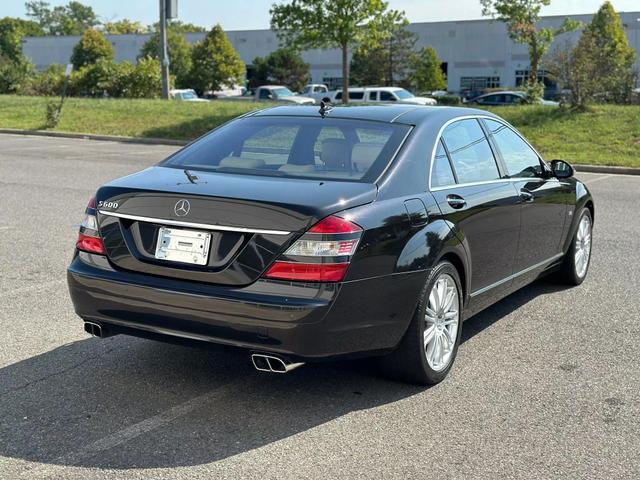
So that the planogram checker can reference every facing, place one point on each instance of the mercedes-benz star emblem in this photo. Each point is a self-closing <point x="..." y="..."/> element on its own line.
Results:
<point x="182" y="208"/>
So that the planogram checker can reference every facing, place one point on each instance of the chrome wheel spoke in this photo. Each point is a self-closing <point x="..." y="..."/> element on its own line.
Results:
<point x="582" y="247"/>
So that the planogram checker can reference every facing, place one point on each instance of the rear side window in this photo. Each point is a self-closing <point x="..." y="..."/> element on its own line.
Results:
<point x="441" y="173"/>
<point x="310" y="147"/>
<point x="519" y="158"/>
<point x="470" y="152"/>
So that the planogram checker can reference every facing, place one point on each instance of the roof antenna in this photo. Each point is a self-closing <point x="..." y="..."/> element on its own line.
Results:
<point x="325" y="106"/>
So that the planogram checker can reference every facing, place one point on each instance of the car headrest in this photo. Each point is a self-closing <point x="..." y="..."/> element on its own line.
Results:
<point x="364" y="154"/>
<point x="335" y="154"/>
<point x="292" y="168"/>
<point x="239" y="162"/>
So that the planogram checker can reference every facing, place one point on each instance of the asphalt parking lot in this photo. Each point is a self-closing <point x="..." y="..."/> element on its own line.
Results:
<point x="546" y="384"/>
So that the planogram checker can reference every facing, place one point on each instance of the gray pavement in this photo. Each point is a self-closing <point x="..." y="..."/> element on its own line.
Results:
<point x="545" y="385"/>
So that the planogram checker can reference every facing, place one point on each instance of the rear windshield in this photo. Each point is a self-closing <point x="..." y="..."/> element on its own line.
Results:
<point x="326" y="149"/>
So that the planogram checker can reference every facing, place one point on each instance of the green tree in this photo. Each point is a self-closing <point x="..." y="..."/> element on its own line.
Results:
<point x="14" y="74"/>
<point x="124" y="26"/>
<point x="144" y="80"/>
<point x="284" y="66"/>
<point x="215" y="63"/>
<point x="603" y="60"/>
<point x="179" y="54"/>
<point x="426" y="74"/>
<point x="93" y="46"/>
<point x="521" y="16"/>
<point x="179" y="26"/>
<point x="70" y="19"/>
<point x="342" y="24"/>
<point x="11" y="32"/>
<point x="388" y="62"/>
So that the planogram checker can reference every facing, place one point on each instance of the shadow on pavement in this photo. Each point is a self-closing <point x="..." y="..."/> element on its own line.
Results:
<point x="123" y="402"/>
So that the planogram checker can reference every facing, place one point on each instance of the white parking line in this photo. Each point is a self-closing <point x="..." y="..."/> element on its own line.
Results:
<point x="129" y="433"/>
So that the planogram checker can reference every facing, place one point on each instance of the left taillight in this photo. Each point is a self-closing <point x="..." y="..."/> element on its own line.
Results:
<point x="322" y="254"/>
<point x="89" y="237"/>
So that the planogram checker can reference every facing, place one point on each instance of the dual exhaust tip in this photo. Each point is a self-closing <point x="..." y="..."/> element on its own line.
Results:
<point x="273" y="364"/>
<point x="261" y="361"/>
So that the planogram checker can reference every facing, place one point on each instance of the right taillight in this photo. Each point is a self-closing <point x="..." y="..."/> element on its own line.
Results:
<point x="322" y="254"/>
<point x="89" y="238"/>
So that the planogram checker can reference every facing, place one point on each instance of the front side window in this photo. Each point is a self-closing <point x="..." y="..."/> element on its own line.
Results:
<point x="386" y="96"/>
<point x="441" y="173"/>
<point x="519" y="158"/>
<point x="470" y="152"/>
<point x="356" y="95"/>
<point x="264" y="93"/>
<point x="325" y="149"/>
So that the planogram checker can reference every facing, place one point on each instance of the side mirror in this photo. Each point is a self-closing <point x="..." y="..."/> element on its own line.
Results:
<point x="561" y="169"/>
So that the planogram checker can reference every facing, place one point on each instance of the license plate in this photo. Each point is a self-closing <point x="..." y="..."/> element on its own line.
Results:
<point x="186" y="246"/>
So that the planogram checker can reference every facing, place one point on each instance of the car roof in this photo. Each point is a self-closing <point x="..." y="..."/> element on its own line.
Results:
<point x="500" y="92"/>
<point x="403" y="113"/>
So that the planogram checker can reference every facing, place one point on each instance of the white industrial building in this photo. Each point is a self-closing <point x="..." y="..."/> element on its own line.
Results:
<point x="476" y="54"/>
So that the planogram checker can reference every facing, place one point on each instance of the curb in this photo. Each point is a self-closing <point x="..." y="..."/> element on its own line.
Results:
<point x="88" y="136"/>
<point x="607" y="169"/>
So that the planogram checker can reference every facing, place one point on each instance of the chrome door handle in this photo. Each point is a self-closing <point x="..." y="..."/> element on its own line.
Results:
<point x="525" y="195"/>
<point x="456" y="201"/>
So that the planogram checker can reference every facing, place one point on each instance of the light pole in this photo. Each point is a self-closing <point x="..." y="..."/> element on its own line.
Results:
<point x="168" y="9"/>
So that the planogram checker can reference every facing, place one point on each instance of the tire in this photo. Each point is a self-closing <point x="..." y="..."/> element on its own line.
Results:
<point x="409" y="362"/>
<point x="573" y="271"/>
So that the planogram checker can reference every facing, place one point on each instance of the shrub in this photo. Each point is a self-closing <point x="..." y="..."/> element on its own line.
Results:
<point x="14" y="74"/>
<point x="54" y="109"/>
<point x="449" y="100"/>
<point x="144" y="81"/>
<point x="95" y="80"/>
<point x="47" y="83"/>
<point x="92" y="47"/>
<point x="426" y="73"/>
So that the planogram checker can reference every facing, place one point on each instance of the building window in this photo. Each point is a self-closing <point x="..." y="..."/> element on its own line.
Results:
<point x="476" y="85"/>
<point x="543" y="76"/>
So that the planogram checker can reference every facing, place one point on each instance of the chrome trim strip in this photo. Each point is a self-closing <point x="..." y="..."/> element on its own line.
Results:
<point x="205" y="226"/>
<point x="516" y="275"/>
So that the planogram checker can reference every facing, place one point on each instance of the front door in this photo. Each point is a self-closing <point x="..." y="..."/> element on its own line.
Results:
<point x="543" y="200"/>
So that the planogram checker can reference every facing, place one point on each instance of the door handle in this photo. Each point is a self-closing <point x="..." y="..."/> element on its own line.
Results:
<point x="456" y="201"/>
<point x="526" y="195"/>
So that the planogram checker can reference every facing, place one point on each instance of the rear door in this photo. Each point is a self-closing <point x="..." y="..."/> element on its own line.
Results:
<point x="482" y="207"/>
<point x="543" y="199"/>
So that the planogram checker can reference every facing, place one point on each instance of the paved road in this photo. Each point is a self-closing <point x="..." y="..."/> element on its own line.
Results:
<point x="545" y="386"/>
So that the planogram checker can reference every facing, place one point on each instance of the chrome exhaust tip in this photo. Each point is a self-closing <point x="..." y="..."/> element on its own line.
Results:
<point x="93" y="329"/>
<point x="272" y="363"/>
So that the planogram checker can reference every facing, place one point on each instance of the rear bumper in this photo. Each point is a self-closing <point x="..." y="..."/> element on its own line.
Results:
<point x="307" y="321"/>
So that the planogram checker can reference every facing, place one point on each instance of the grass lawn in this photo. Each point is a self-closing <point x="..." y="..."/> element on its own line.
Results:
<point x="606" y="135"/>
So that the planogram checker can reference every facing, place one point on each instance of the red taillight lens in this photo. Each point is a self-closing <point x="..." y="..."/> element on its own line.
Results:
<point x="307" y="272"/>
<point x="90" y="244"/>
<point x="333" y="225"/>
<point x="89" y="237"/>
<point x="330" y="243"/>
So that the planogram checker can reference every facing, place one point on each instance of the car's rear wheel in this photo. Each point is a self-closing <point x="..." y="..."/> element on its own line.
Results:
<point x="576" y="263"/>
<point x="427" y="350"/>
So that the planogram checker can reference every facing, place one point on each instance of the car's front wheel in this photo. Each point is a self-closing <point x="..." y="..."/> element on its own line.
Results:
<point x="427" y="350"/>
<point x="576" y="263"/>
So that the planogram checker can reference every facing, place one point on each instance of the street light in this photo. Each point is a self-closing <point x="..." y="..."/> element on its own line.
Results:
<point x="168" y="10"/>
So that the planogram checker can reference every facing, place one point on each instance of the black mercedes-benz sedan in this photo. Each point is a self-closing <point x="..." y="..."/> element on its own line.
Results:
<point x="302" y="235"/>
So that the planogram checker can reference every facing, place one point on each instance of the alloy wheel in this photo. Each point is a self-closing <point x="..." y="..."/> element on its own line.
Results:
<point x="442" y="316"/>
<point x="583" y="246"/>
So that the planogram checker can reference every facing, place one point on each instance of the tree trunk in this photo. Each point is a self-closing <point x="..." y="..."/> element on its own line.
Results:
<point x="534" y="60"/>
<point x="345" y="74"/>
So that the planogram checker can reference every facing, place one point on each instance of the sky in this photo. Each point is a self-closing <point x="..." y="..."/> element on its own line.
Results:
<point x="254" y="14"/>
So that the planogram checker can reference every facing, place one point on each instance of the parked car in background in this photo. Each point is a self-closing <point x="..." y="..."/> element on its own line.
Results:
<point x="383" y="95"/>
<point x="186" y="95"/>
<point x="236" y="91"/>
<point x="507" y="98"/>
<point x="274" y="93"/>
<point x="317" y="91"/>
<point x="300" y="236"/>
